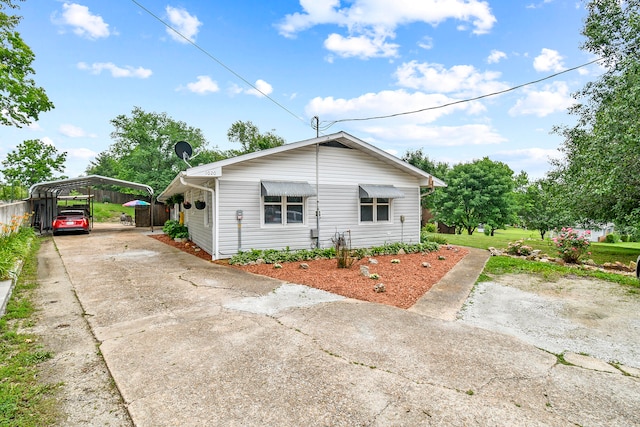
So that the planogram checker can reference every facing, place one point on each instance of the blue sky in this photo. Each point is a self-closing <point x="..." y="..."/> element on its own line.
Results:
<point x="338" y="60"/>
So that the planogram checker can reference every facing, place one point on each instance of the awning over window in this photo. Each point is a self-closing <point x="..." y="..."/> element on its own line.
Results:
<point x="287" y="188"/>
<point x="380" y="191"/>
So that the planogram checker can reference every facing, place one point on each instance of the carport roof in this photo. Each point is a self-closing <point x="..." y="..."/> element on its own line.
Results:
<point x="58" y="186"/>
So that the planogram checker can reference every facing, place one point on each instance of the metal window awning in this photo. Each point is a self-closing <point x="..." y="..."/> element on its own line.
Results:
<point x="380" y="192"/>
<point x="287" y="188"/>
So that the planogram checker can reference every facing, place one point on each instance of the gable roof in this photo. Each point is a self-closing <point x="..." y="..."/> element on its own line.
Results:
<point x="198" y="175"/>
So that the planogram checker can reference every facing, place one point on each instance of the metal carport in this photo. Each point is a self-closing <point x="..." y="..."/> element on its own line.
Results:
<point x="44" y="196"/>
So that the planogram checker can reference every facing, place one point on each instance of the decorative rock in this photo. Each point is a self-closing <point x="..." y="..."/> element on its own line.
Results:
<point x="379" y="288"/>
<point x="304" y="266"/>
<point x="364" y="270"/>
<point x="426" y="265"/>
<point x="373" y="261"/>
<point x="276" y="265"/>
<point x="197" y="249"/>
<point x="494" y="252"/>
<point x="259" y="261"/>
<point x="395" y="261"/>
<point x="402" y="252"/>
<point x="441" y="258"/>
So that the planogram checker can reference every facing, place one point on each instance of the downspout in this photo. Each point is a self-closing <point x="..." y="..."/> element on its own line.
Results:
<point x="216" y="243"/>
<point x="214" y="229"/>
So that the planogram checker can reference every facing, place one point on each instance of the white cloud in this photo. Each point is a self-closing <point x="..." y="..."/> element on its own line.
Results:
<point x="83" y="22"/>
<point x="553" y="98"/>
<point x="183" y="22"/>
<point x="548" y="60"/>
<point x="377" y="20"/>
<point x="437" y="136"/>
<point x="128" y="71"/>
<point x="461" y="80"/>
<point x="360" y="46"/>
<point x="73" y="131"/>
<point x="81" y="153"/>
<point x="426" y="43"/>
<point x="386" y="103"/>
<point x="203" y="85"/>
<point x="535" y="161"/>
<point x="496" y="56"/>
<point x="47" y="141"/>
<point x="263" y="88"/>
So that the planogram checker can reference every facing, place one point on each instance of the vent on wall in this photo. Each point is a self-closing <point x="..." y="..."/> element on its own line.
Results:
<point x="334" y="144"/>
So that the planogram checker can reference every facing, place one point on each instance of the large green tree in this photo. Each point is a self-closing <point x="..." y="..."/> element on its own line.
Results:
<point x="541" y="207"/>
<point x="437" y="169"/>
<point x="143" y="150"/>
<point x="251" y="139"/>
<point x="31" y="162"/>
<point x="600" y="170"/>
<point x="21" y="101"/>
<point x="480" y="192"/>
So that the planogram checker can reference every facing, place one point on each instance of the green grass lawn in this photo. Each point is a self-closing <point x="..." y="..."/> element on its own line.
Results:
<point x="600" y="252"/>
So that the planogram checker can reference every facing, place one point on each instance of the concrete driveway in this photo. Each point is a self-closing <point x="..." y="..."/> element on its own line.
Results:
<point x="192" y="343"/>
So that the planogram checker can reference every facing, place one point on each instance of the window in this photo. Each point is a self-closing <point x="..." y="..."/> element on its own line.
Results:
<point x="374" y="209"/>
<point x="275" y="205"/>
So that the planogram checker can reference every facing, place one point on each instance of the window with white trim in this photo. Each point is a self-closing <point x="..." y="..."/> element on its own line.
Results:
<point x="375" y="209"/>
<point x="274" y="206"/>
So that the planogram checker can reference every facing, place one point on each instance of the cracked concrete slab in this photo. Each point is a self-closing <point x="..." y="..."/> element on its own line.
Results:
<point x="192" y="343"/>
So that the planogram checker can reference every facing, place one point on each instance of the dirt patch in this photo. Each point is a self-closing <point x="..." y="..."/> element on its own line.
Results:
<point x="405" y="282"/>
<point x="585" y="316"/>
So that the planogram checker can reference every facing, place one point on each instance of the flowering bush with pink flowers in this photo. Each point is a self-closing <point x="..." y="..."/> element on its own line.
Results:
<point x="572" y="245"/>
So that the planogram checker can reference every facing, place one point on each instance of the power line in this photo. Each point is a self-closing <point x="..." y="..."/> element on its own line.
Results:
<point x="329" y="124"/>
<point x="222" y="64"/>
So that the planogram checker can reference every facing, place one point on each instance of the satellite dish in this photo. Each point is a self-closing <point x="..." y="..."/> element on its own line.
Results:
<point x="183" y="150"/>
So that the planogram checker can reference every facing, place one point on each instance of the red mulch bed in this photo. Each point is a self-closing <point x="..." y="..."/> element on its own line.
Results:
<point x="404" y="282"/>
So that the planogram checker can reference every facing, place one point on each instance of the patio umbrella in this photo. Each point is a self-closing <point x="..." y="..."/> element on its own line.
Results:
<point x="136" y="203"/>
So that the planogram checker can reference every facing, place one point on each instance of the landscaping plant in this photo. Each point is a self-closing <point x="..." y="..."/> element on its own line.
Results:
<point x="572" y="245"/>
<point x="15" y="240"/>
<point x="175" y="230"/>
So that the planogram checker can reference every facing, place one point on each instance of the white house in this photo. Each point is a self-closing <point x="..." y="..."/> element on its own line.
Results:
<point x="300" y="195"/>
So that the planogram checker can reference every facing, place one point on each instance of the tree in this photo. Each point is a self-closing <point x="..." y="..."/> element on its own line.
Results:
<point x="31" y="162"/>
<point x="601" y="167"/>
<point x="250" y="138"/>
<point x="477" y="192"/>
<point x="542" y="207"/>
<point x="143" y="150"/>
<point x="21" y="101"/>
<point x="422" y="161"/>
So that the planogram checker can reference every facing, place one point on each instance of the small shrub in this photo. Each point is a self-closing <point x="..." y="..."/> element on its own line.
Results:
<point x="175" y="230"/>
<point x="624" y="238"/>
<point x="487" y="231"/>
<point x="612" y="238"/>
<point x="572" y="246"/>
<point x="433" y="238"/>
<point x="429" y="228"/>
<point x="519" y="248"/>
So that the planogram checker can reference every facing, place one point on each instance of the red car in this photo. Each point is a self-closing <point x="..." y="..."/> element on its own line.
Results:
<point x="71" y="220"/>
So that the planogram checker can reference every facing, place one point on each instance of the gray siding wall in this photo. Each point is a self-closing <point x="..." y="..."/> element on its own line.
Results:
<point x="340" y="171"/>
<point x="200" y="222"/>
